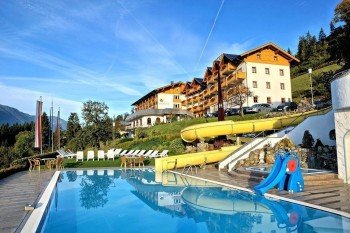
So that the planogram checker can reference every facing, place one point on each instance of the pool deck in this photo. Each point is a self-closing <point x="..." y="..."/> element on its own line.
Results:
<point x="16" y="191"/>
<point x="331" y="196"/>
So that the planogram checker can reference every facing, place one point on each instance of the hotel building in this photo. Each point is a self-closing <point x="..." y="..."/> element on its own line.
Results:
<point x="265" y="70"/>
<point x="159" y="106"/>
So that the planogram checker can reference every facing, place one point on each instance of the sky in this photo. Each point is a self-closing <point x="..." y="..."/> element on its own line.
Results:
<point x="116" y="51"/>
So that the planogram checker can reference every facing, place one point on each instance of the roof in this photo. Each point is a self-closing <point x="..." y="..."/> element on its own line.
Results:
<point x="276" y="47"/>
<point x="156" y="91"/>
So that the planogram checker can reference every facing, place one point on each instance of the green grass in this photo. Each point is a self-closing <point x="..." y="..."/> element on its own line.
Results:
<point x="302" y="82"/>
<point x="71" y="163"/>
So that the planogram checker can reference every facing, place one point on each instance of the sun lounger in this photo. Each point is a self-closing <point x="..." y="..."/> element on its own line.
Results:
<point x="154" y="154"/>
<point x="100" y="155"/>
<point x="141" y="153"/>
<point x="65" y="154"/>
<point x="90" y="155"/>
<point x="135" y="152"/>
<point x="117" y="152"/>
<point x="123" y="153"/>
<point x="80" y="156"/>
<point x="129" y="153"/>
<point x="110" y="154"/>
<point x="163" y="154"/>
<point x="148" y="153"/>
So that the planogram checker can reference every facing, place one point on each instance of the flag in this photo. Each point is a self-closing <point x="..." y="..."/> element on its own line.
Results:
<point x="38" y="139"/>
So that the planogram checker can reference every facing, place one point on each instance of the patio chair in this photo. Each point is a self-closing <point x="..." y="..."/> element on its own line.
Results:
<point x="59" y="162"/>
<point x="154" y="154"/>
<point x="140" y="161"/>
<point x="110" y="154"/>
<point x="163" y="154"/>
<point x="117" y="152"/>
<point x="80" y="156"/>
<point x="34" y="163"/>
<point x="100" y="155"/>
<point x="90" y="155"/>
<point x="123" y="161"/>
<point x="148" y="153"/>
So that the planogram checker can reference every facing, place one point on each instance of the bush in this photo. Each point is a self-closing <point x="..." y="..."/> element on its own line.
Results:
<point x="176" y="147"/>
<point x="308" y="140"/>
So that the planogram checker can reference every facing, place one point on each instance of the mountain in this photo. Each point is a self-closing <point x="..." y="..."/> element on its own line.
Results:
<point x="12" y="116"/>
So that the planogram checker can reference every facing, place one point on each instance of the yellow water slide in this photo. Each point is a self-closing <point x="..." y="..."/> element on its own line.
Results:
<point x="214" y="129"/>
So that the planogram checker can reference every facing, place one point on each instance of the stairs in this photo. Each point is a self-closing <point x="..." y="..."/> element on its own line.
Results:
<point x="309" y="180"/>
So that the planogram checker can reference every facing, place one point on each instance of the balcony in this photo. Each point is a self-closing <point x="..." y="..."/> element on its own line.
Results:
<point x="193" y="91"/>
<point x="227" y="69"/>
<point x="212" y="79"/>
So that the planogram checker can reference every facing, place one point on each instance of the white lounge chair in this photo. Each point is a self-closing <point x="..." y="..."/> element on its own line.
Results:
<point x="65" y="154"/>
<point x="148" y="153"/>
<point x="100" y="155"/>
<point x="80" y="156"/>
<point x="142" y="152"/>
<point x="129" y="153"/>
<point x="90" y="155"/>
<point x="154" y="154"/>
<point x="123" y="153"/>
<point x="110" y="154"/>
<point x="117" y="152"/>
<point x="135" y="152"/>
<point x="163" y="154"/>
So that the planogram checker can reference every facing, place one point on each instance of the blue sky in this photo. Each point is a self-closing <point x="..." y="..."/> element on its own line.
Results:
<point x="116" y="51"/>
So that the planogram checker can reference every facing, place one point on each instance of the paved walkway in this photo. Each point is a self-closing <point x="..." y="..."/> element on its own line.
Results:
<point x="16" y="191"/>
<point x="336" y="197"/>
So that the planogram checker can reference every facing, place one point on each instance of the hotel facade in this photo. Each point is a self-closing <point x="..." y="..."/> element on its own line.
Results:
<point x="265" y="70"/>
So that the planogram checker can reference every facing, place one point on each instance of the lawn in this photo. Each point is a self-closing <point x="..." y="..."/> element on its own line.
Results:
<point x="302" y="82"/>
<point x="71" y="163"/>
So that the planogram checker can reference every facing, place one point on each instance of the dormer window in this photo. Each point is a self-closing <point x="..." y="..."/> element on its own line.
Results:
<point x="275" y="58"/>
<point x="258" y="56"/>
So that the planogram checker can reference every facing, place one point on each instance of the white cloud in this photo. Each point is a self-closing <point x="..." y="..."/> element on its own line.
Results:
<point x="25" y="99"/>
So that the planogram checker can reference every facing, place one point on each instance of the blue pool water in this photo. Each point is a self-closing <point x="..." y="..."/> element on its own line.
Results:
<point x="135" y="200"/>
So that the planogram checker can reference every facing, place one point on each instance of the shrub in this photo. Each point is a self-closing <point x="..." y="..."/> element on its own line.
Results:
<point x="308" y="140"/>
<point x="176" y="147"/>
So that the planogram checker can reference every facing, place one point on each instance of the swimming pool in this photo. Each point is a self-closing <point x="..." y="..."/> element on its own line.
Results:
<point x="136" y="200"/>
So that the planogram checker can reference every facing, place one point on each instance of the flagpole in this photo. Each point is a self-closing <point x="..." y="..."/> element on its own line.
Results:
<point x="51" y="125"/>
<point x="41" y="131"/>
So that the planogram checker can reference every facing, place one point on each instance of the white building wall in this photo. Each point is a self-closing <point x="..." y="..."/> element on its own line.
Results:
<point x="341" y="105"/>
<point x="167" y="100"/>
<point x="275" y="79"/>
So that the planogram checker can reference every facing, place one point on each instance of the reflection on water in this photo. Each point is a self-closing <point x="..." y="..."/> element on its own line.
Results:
<point x="202" y="203"/>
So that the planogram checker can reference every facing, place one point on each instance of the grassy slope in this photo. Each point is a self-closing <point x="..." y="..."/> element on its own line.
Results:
<point x="302" y="82"/>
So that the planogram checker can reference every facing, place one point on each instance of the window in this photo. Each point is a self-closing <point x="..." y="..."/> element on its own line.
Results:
<point x="268" y="100"/>
<point x="255" y="99"/>
<point x="283" y="100"/>
<point x="176" y="97"/>
<point x="282" y="86"/>
<point x="267" y="70"/>
<point x="255" y="84"/>
<point x="275" y="58"/>
<point x="149" y="121"/>
<point x="254" y="70"/>
<point x="268" y="85"/>
<point x="258" y="56"/>
<point x="176" y="105"/>
<point x="281" y="72"/>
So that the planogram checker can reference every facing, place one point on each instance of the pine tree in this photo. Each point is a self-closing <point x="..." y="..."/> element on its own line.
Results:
<point x="73" y="126"/>
<point x="322" y="36"/>
<point x="332" y="27"/>
<point x="290" y="52"/>
<point x="308" y="140"/>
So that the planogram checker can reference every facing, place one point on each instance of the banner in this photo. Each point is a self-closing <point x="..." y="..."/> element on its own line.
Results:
<point x="38" y="139"/>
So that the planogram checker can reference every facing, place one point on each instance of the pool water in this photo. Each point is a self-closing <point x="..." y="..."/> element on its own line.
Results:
<point x="139" y="200"/>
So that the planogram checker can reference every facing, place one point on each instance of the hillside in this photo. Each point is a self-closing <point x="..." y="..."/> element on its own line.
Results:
<point x="301" y="83"/>
<point x="12" y="116"/>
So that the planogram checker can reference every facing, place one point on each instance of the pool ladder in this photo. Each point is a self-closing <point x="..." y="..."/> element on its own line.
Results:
<point x="189" y="168"/>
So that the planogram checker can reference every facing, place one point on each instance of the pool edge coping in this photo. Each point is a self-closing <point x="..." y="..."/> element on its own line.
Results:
<point x="33" y="222"/>
<point x="326" y="209"/>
